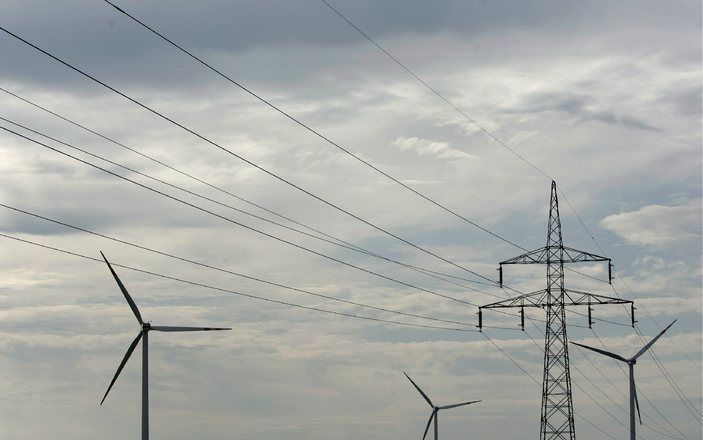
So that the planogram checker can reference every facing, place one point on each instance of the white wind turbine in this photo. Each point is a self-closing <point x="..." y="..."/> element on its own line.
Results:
<point x="435" y="409"/>
<point x="634" y="403"/>
<point x="144" y="334"/>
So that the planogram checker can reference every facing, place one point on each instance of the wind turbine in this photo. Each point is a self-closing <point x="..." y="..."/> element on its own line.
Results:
<point x="144" y="334"/>
<point x="634" y="403"/>
<point x="435" y="409"/>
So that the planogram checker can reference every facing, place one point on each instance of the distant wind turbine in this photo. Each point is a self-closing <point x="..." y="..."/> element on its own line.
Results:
<point x="144" y="333"/>
<point x="631" y="364"/>
<point x="435" y="409"/>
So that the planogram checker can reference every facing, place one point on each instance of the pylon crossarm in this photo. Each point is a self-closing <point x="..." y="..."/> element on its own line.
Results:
<point x="538" y="256"/>
<point x="532" y="299"/>
<point x="579" y="298"/>
<point x="541" y="256"/>
<point x="572" y="255"/>
<point x="539" y="299"/>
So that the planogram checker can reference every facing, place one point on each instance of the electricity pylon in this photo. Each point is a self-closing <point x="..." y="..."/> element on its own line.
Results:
<point x="557" y="414"/>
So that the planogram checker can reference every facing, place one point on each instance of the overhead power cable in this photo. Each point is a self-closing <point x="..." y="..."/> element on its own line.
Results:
<point x="456" y="108"/>
<point x="302" y="124"/>
<point x="161" y="193"/>
<point x="234" y="292"/>
<point x="235" y="222"/>
<point x="206" y="211"/>
<point x="350" y="247"/>
<point x="170" y="167"/>
<point x="242" y="158"/>
<point x="434" y="91"/>
<point x="242" y="199"/>
<point x="227" y="271"/>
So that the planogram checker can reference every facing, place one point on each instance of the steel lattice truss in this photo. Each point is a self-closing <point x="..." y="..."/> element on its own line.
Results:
<point x="557" y="414"/>
<point x="540" y="298"/>
<point x="541" y="256"/>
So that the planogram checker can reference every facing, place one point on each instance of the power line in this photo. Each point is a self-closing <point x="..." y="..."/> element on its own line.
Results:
<point x="242" y="158"/>
<point x="354" y="248"/>
<point x="304" y="125"/>
<point x="227" y="219"/>
<point x="161" y="193"/>
<point x="166" y="165"/>
<point x="240" y="198"/>
<point x="227" y="271"/>
<point x="247" y="295"/>
<point x="434" y="91"/>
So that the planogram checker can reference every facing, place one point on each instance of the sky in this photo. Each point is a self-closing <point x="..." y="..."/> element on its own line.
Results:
<point x="603" y="97"/>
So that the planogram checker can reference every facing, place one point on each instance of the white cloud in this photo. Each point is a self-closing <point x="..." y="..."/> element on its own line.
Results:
<point x="658" y="225"/>
<point x="426" y="147"/>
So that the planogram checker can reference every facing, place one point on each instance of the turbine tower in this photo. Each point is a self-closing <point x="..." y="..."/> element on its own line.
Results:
<point x="144" y="334"/>
<point x="557" y="413"/>
<point x="631" y="364"/>
<point x="435" y="409"/>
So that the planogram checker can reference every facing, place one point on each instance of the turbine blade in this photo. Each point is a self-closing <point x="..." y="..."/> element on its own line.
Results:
<point x="429" y="422"/>
<point x="458" y="404"/>
<point x="122" y="364"/>
<point x="646" y="347"/>
<point x="131" y="303"/>
<point x="169" y="328"/>
<point x="637" y="402"/>
<point x="418" y="388"/>
<point x="607" y="353"/>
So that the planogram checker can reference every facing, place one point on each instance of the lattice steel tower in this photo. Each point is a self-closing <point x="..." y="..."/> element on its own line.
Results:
<point x="557" y="415"/>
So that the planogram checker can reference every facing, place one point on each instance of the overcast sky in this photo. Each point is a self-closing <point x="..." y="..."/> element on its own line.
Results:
<point x="605" y="97"/>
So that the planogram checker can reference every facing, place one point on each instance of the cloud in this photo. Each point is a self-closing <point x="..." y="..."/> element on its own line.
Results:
<point x="658" y="225"/>
<point x="524" y="71"/>
<point x="580" y="106"/>
<point x="426" y="147"/>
